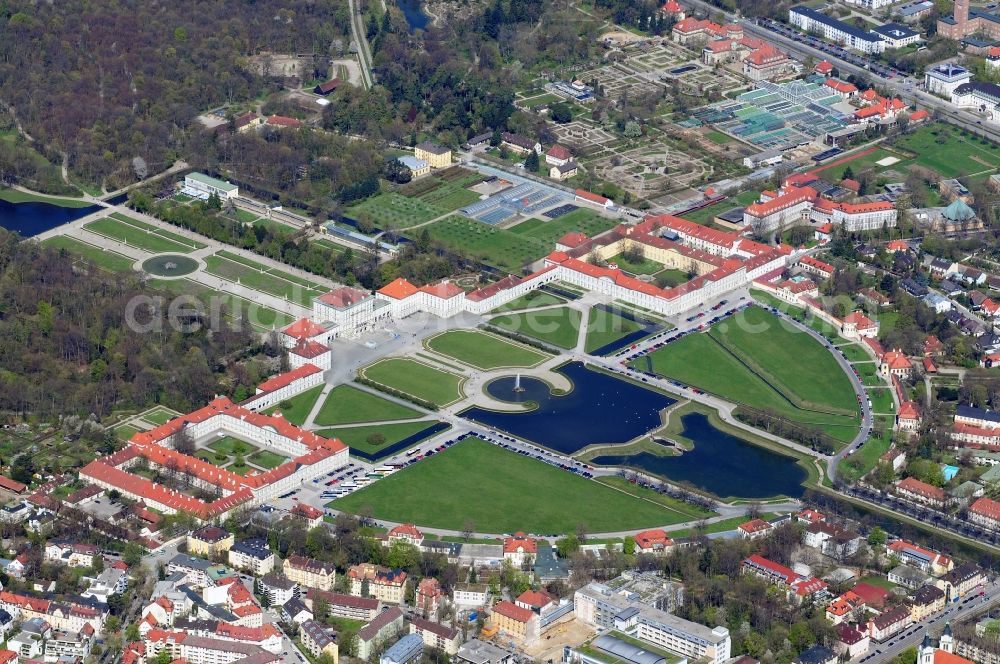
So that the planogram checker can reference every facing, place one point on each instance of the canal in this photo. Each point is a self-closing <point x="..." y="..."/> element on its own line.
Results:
<point x="31" y="218"/>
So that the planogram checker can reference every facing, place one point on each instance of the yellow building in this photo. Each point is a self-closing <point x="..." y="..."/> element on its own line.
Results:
<point x="436" y="155"/>
<point x="209" y="541"/>
<point x="319" y="640"/>
<point x="310" y="572"/>
<point x="384" y="584"/>
<point x="671" y="255"/>
<point x="515" y="622"/>
<point x="926" y="601"/>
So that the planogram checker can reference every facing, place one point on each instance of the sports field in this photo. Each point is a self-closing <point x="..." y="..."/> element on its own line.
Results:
<point x="346" y="404"/>
<point x="483" y="350"/>
<point x="136" y="237"/>
<point x="603" y="327"/>
<point x="416" y="379"/>
<point x="559" y="327"/>
<point x="300" y="406"/>
<point x="500" y="491"/>
<point x="102" y="258"/>
<point x="702" y="361"/>
<point x="496" y="246"/>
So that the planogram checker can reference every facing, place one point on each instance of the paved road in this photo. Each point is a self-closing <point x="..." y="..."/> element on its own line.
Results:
<point x="360" y="37"/>
<point x="913" y="635"/>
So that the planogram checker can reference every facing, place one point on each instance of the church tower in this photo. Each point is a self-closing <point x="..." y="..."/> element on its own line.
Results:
<point x="947" y="643"/>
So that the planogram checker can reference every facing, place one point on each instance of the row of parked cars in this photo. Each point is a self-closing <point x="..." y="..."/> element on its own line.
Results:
<point x="885" y="71"/>
<point x="543" y="455"/>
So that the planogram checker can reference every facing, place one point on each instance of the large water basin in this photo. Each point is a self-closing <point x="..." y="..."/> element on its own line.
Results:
<point x="31" y="218"/>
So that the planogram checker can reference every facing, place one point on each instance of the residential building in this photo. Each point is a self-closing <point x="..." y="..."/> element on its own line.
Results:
<point x="209" y="541"/>
<point x="252" y="556"/>
<point x="852" y="641"/>
<point x="482" y="652"/>
<point x="309" y="572"/>
<point x="858" y="326"/>
<point x="515" y="622"/>
<point x="926" y="601"/>
<point x="110" y="581"/>
<point x="319" y="640"/>
<point x="810" y="20"/>
<point x="959" y="582"/>
<point x="195" y="649"/>
<point x="908" y="577"/>
<point x="384" y="584"/>
<point x="986" y="513"/>
<point x="923" y="559"/>
<point x="886" y="625"/>
<point x="470" y="594"/>
<point x="437" y="156"/>
<point x="384" y="627"/>
<point x="519" y="144"/>
<point x="564" y="171"/>
<point x="520" y="549"/>
<point x="428" y="596"/>
<point x="895" y="363"/>
<point x="277" y="588"/>
<point x="407" y="533"/>
<point x="436" y="635"/>
<point x="653" y="542"/>
<point x="346" y="606"/>
<point x="754" y="529"/>
<point x="557" y="155"/>
<point x="418" y="167"/>
<point x="407" y="649"/>
<point x="921" y="492"/>
<point x="195" y="570"/>
<point x="72" y="554"/>
<point x="896" y="35"/>
<point x="796" y="585"/>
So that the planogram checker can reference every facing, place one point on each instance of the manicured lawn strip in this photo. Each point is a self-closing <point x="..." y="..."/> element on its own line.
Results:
<point x="180" y="239"/>
<point x="102" y="258"/>
<point x="449" y="198"/>
<point x="275" y="226"/>
<point x="357" y="437"/>
<point x="129" y="234"/>
<point x="281" y="274"/>
<point x="262" y="318"/>
<point x="246" y="216"/>
<point x="262" y="281"/>
<point x="719" y="526"/>
<point x="484" y="351"/>
<point x="535" y="298"/>
<point x="266" y="459"/>
<point x="559" y="327"/>
<point x="125" y="431"/>
<point x="416" y="379"/>
<point x="332" y="246"/>
<point x="862" y="461"/>
<point x="301" y="406"/>
<point x="604" y="327"/>
<point x="16" y="196"/>
<point x="346" y="404"/>
<point x="854" y="353"/>
<point x="623" y="484"/>
<point x="479" y="477"/>
<point x="717" y="136"/>
<point x="700" y="361"/>
<point x="706" y="214"/>
<point x="881" y="400"/>
<point x="496" y="246"/>
<point x="159" y="416"/>
<point x="814" y="376"/>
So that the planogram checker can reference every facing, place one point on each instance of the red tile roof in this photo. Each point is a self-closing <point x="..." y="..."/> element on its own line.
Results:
<point x="343" y="297"/>
<point x="308" y="349"/>
<point x="497" y="286"/>
<point x="303" y="328"/>
<point x="520" y="541"/>
<point x="824" y="67"/>
<point x="755" y="526"/>
<point x="860" y="321"/>
<point x="513" y="611"/>
<point x="12" y="485"/>
<point x="790" y="197"/>
<point x="765" y="55"/>
<point x="917" y="116"/>
<point x="406" y="530"/>
<point x="986" y="507"/>
<point x="283" y="121"/>
<point x="289" y="377"/>
<point x="594" y="198"/>
<point x="558" y="152"/>
<point x="648" y="539"/>
<point x="841" y="86"/>
<point x="871" y="595"/>
<point x="572" y="239"/>
<point x="913" y="485"/>
<point x="535" y="598"/>
<point x="817" y="264"/>
<point x="444" y="290"/>
<point x="398" y="289"/>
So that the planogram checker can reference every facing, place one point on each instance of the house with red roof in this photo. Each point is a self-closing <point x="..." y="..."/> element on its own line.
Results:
<point x="767" y="63"/>
<point x="924" y="559"/>
<point x="823" y="232"/>
<point x="313" y="516"/>
<point x="754" y="529"/>
<point x="654" y="542"/>
<point x="401" y="296"/>
<point x="309" y="352"/>
<point x="515" y="622"/>
<point x="283" y="122"/>
<point x="896" y="363"/>
<point x="921" y="492"/>
<point x="986" y="513"/>
<point x="674" y="9"/>
<point x="428" y="596"/>
<point x="558" y="155"/>
<point x="843" y="88"/>
<point x="571" y="240"/>
<point x="350" y="310"/>
<point x="896" y="246"/>
<point x="519" y="549"/>
<point x="588" y="198"/>
<point x="858" y="326"/>
<point x="406" y="533"/>
<point x="305" y="329"/>
<point x="824" y="68"/>
<point x="816" y="266"/>
<point x="537" y="601"/>
<point x="851" y="641"/>
<point x="797" y="586"/>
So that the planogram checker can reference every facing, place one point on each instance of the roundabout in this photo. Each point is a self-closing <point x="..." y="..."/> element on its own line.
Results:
<point x="169" y="266"/>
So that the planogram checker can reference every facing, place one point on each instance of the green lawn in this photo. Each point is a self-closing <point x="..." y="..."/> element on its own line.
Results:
<point x="854" y="353"/>
<point x="125" y="431"/>
<point x="623" y="484"/>
<point x="299" y="406"/>
<point x="136" y="237"/>
<point x="559" y="327"/>
<point x="604" y="327"/>
<point x="766" y="344"/>
<point x="158" y="416"/>
<point x="394" y="210"/>
<point x="942" y="148"/>
<point x="548" y="231"/>
<point x="142" y="225"/>
<point x="878" y="582"/>
<point x="416" y="379"/>
<point x="861" y="462"/>
<point x="706" y="214"/>
<point x="496" y="246"/>
<point x="266" y="459"/>
<point x="717" y="137"/>
<point x="232" y="446"/>
<point x="346" y="404"/>
<point x="644" y="266"/>
<point x="261" y="318"/>
<point x="483" y="350"/>
<point x="529" y="300"/>
<point x="267" y="282"/>
<point x="15" y="196"/>
<point x="102" y="258"/>
<point x="474" y="481"/>
<point x="720" y="526"/>
<point x="357" y="437"/>
<point x="699" y="360"/>
<point x="881" y="400"/>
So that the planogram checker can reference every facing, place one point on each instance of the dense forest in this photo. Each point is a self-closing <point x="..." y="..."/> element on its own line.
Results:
<point x="105" y="82"/>
<point x="68" y="349"/>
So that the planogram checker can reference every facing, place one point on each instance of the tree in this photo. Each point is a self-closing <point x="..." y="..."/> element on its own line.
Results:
<point x="365" y="588"/>
<point x="22" y="468"/>
<point x="632" y="129"/>
<point x="531" y="162"/>
<point x="398" y="172"/>
<point x="561" y="113"/>
<point x="877" y="536"/>
<point x="468" y="528"/>
<point x="132" y="555"/>
<point x="628" y="546"/>
<point x="567" y="546"/>
<point x="375" y="439"/>
<point x="183" y="442"/>
<point x="140" y="168"/>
